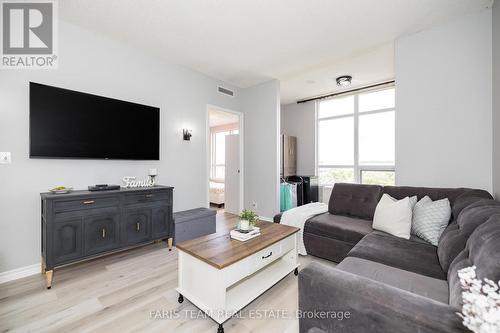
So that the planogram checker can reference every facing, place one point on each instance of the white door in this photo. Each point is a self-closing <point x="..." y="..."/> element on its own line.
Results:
<point x="232" y="174"/>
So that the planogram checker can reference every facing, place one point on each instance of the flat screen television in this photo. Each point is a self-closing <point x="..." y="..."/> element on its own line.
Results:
<point x="71" y="124"/>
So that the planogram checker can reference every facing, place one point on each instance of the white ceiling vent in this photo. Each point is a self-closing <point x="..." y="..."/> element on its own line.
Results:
<point x="225" y="91"/>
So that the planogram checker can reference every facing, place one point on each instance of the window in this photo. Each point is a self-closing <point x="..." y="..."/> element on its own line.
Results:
<point x="218" y="150"/>
<point x="356" y="138"/>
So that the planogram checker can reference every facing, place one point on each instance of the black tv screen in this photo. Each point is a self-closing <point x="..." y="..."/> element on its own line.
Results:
<point x="71" y="124"/>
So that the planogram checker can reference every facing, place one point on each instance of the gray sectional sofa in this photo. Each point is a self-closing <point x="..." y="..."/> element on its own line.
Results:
<point x="390" y="284"/>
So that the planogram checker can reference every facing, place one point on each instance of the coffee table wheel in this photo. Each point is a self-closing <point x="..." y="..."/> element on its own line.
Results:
<point x="296" y="271"/>
<point x="180" y="299"/>
<point x="220" y="329"/>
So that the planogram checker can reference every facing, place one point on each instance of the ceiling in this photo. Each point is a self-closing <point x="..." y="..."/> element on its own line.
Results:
<point x="219" y="118"/>
<point x="303" y="43"/>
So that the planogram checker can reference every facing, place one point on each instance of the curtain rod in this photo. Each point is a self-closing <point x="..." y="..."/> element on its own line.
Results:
<point x="345" y="92"/>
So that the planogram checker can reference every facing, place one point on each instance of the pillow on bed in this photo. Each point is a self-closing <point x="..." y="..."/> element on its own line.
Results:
<point x="216" y="187"/>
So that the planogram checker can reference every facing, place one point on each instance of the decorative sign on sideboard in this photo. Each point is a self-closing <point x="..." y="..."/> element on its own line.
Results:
<point x="131" y="182"/>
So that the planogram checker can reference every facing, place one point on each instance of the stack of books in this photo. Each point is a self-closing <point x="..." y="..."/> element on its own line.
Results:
<point x="241" y="236"/>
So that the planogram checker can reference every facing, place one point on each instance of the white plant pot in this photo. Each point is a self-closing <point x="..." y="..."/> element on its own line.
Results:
<point x="244" y="225"/>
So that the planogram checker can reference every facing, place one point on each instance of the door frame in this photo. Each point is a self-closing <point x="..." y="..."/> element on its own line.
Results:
<point x="242" y="155"/>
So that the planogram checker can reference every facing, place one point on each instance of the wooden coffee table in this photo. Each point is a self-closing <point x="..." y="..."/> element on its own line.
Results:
<point x="221" y="275"/>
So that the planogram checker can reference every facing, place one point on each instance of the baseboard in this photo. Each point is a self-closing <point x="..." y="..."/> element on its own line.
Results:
<point x="268" y="219"/>
<point x="20" y="273"/>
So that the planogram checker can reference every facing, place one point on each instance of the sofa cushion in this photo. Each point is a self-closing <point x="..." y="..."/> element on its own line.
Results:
<point x="426" y="286"/>
<point x="354" y="200"/>
<point x="455" y="236"/>
<point x="435" y="193"/>
<point x="417" y="257"/>
<point x="326" y="247"/>
<point x="483" y="251"/>
<point x="466" y="199"/>
<point x="344" y="228"/>
<point x="452" y="194"/>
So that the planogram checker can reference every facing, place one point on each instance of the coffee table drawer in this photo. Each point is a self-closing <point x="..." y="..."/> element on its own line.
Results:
<point x="265" y="257"/>
<point x="287" y="244"/>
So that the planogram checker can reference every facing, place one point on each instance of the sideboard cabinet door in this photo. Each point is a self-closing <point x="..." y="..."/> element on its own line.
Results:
<point x="161" y="221"/>
<point x="67" y="240"/>
<point x="101" y="233"/>
<point x="136" y="226"/>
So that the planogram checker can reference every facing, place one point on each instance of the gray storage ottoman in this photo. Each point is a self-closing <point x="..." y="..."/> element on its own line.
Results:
<point x="193" y="223"/>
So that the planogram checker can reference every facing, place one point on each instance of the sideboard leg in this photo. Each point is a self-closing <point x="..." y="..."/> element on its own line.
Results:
<point x="43" y="265"/>
<point x="170" y="241"/>
<point x="48" y="276"/>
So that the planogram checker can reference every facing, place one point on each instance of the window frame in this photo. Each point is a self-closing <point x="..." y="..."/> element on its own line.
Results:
<point x="358" y="169"/>
<point x="213" y="150"/>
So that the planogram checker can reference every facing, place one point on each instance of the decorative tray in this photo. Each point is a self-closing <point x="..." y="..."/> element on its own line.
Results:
<point x="61" y="190"/>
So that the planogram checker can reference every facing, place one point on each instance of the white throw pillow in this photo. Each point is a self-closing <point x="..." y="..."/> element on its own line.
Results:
<point x="430" y="218"/>
<point x="394" y="216"/>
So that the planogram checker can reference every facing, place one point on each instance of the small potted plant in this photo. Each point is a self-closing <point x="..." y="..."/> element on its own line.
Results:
<point x="247" y="220"/>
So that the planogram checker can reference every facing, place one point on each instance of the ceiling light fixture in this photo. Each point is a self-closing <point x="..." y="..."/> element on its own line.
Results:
<point x="344" y="80"/>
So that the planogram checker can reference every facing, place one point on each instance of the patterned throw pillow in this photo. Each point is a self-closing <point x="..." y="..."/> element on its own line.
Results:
<point x="430" y="218"/>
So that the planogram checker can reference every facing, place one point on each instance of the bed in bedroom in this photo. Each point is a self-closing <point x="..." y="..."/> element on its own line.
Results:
<point x="216" y="192"/>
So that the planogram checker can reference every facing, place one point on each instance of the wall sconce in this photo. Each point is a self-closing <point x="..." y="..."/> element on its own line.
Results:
<point x="187" y="134"/>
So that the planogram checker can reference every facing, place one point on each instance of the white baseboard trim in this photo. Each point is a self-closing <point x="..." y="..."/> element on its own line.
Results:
<point x="264" y="218"/>
<point x="20" y="273"/>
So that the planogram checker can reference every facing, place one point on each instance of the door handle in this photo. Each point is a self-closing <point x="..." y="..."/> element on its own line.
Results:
<point x="270" y="254"/>
<point x="137" y="226"/>
<point x="103" y="232"/>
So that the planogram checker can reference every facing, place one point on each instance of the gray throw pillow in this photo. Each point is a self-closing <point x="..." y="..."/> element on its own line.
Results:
<point x="430" y="218"/>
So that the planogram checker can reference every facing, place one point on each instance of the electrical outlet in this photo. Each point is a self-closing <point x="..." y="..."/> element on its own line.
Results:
<point x="5" y="158"/>
<point x="254" y="204"/>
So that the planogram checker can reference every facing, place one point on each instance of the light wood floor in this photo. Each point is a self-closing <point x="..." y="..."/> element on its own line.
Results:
<point x="118" y="293"/>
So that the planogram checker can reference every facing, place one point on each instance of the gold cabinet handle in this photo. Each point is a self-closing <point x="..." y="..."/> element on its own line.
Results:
<point x="137" y="226"/>
<point x="103" y="232"/>
<point x="89" y="202"/>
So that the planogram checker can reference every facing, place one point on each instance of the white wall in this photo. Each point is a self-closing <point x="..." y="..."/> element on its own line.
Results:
<point x="262" y="111"/>
<point x="444" y="105"/>
<point x="496" y="99"/>
<point x="94" y="64"/>
<point x="300" y="120"/>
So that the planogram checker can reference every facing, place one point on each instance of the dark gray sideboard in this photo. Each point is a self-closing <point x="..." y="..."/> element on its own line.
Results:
<point x="82" y="225"/>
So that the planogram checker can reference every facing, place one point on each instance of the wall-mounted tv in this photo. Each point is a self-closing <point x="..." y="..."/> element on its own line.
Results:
<point x="71" y="124"/>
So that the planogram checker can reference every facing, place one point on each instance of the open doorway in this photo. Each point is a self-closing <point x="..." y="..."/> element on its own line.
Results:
<point x="225" y="160"/>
